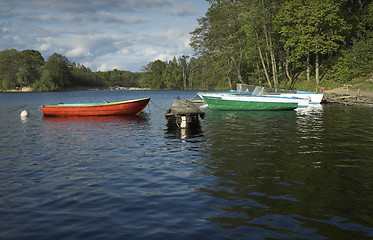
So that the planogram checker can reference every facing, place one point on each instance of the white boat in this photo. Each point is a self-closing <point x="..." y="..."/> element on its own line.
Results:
<point x="315" y="98"/>
<point x="303" y="98"/>
<point x="302" y="102"/>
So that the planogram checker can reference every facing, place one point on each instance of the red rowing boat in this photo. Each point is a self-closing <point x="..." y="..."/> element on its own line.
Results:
<point x="131" y="107"/>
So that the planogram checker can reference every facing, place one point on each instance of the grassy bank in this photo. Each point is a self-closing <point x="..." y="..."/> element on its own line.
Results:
<point x="363" y="83"/>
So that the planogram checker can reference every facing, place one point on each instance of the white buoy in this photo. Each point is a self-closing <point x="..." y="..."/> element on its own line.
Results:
<point x="24" y="113"/>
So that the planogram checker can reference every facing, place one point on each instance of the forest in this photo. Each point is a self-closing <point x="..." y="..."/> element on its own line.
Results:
<point x="29" y="69"/>
<point x="274" y="43"/>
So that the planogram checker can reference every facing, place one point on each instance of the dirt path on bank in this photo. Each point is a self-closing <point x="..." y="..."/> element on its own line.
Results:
<point x="350" y="95"/>
<point x="349" y="91"/>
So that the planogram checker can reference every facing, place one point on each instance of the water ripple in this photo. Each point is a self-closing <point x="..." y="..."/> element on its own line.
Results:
<point x="238" y="175"/>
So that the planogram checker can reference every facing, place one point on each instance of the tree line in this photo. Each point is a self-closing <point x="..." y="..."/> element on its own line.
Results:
<point x="28" y="68"/>
<point x="274" y="43"/>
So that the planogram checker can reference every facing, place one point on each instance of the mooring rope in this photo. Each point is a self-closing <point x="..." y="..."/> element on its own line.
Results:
<point x="157" y="106"/>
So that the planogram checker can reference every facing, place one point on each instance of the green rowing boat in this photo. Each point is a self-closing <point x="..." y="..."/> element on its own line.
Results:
<point x="249" y="103"/>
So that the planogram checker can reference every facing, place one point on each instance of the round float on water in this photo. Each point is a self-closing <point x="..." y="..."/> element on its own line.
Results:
<point x="24" y="113"/>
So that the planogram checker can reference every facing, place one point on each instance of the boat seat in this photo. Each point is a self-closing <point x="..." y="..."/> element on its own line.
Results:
<point x="260" y="91"/>
<point x="257" y="90"/>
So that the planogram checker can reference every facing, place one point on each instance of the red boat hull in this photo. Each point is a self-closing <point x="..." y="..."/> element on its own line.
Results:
<point x="132" y="107"/>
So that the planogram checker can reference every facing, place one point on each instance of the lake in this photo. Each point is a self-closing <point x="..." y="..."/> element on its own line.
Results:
<point x="304" y="174"/>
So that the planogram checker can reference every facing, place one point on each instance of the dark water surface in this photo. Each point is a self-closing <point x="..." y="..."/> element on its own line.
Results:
<point x="242" y="175"/>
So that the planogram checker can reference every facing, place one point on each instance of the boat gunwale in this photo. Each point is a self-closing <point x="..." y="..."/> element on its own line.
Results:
<point x="219" y="104"/>
<point x="253" y="100"/>
<point x="82" y="105"/>
<point x="277" y="96"/>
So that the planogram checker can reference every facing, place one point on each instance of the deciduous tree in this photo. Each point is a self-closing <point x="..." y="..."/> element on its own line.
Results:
<point x="311" y="27"/>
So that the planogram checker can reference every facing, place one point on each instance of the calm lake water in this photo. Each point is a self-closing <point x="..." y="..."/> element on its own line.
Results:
<point x="242" y="175"/>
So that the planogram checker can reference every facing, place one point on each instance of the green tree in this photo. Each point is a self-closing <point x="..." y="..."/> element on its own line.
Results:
<point x="30" y="70"/>
<point x="55" y="74"/>
<point x="220" y="36"/>
<point x="59" y="69"/>
<point x="184" y="65"/>
<point x="154" y="74"/>
<point x="355" y="62"/>
<point x="357" y="14"/>
<point x="258" y="20"/>
<point x="194" y="72"/>
<point x="46" y="82"/>
<point x="311" y="27"/>
<point x="275" y="41"/>
<point x="172" y="75"/>
<point x="115" y="78"/>
<point x="10" y="62"/>
<point x="205" y="73"/>
<point x="83" y="76"/>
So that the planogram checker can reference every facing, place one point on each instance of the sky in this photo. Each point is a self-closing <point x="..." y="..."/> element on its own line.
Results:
<point x="102" y="34"/>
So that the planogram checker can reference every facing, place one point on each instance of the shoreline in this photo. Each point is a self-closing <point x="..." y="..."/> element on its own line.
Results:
<point x="345" y="95"/>
<point x="350" y="97"/>
<point x="29" y="89"/>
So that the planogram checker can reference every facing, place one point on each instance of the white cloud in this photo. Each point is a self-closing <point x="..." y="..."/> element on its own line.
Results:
<point x="149" y="52"/>
<point x="102" y="34"/>
<point x="95" y="5"/>
<point x="78" y="52"/>
<point x="45" y="17"/>
<point x="181" y="9"/>
<point x="125" y="51"/>
<point x="107" y="67"/>
<point x="164" y="57"/>
<point x="103" y="17"/>
<point x="44" y="47"/>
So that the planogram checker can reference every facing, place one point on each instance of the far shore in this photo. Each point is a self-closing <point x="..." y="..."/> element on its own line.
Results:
<point x="102" y="88"/>
<point x="29" y="89"/>
<point x="344" y="95"/>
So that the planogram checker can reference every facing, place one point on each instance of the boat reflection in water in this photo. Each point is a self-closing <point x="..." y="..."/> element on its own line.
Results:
<point x="93" y="121"/>
<point x="101" y="119"/>
<point x="93" y="125"/>
<point x="310" y="109"/>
